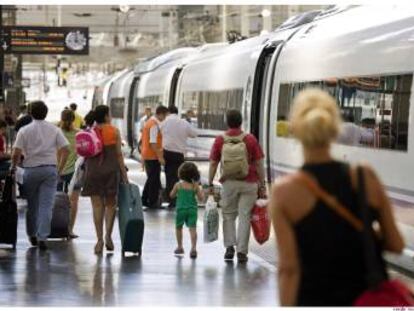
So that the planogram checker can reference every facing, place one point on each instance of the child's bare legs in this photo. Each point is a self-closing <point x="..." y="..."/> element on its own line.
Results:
<point x="179" y="236"/>
<point x="193" y="235"/>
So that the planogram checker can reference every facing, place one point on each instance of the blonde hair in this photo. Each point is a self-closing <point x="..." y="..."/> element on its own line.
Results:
<point x="315" y="118"/>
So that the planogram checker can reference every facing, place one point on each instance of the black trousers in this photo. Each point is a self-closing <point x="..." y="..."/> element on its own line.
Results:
<point x="152" y="187"/>
<point x="173" y="160"/>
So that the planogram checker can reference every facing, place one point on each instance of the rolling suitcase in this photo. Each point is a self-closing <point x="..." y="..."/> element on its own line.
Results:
<point x="59" y="228"/>
<point x="8" y="213"/>
<point x="130" y="218"/>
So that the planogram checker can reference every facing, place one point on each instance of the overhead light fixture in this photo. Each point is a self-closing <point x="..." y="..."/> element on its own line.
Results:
<point x="266" y="13"/>
<point x="82" y="14"/>
<point x="124" y="8"/>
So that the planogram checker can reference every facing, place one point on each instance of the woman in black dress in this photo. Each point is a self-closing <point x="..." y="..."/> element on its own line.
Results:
<point x="321" y="255"/>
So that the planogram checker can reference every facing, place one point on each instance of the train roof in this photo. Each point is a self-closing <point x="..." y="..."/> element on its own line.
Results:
<point x="157" y="61"/>
<point x="380" y="35"/>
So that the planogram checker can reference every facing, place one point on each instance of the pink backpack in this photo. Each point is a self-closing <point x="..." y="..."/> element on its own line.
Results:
<point x="88" y="143"/>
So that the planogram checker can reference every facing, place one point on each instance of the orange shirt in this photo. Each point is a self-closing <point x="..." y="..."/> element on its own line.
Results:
<point x="147" y="152"/>
<point x="108" y="134"/>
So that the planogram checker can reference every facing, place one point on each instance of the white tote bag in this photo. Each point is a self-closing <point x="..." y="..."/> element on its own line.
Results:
<point x="211" y="221"/>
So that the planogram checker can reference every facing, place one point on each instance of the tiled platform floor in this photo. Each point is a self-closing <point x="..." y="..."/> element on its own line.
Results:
<point x="69" y="274"/>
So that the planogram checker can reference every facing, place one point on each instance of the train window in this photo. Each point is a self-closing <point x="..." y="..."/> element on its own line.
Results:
<point x="117" y="107"/>
<point x="149" y="101"/>
<point x="375" y="109"/>
<point x="210" y="106"/>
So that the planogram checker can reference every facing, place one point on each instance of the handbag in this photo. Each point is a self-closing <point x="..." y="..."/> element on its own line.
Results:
<point x="381" y="291"/>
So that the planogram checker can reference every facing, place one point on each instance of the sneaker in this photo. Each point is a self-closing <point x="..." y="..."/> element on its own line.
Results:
<point x="228" y="256"/>
<point x="242" y="258"/>
<point x="33" y="240"/>
<point x="42" y="246"/>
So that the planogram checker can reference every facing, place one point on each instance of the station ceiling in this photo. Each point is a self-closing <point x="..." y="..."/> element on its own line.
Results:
<point x="122" y="34"/>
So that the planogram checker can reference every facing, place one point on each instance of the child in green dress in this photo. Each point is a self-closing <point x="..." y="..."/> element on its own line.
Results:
<point x="187" y="191"/>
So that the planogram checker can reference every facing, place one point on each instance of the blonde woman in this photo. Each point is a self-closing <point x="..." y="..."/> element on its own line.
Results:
<point x="66" y="124"/>
<point x="321" y="259"/>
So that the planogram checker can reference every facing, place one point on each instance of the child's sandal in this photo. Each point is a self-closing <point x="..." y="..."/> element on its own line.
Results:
<point x="179" y="251"/>
<point x="193" y="254"/>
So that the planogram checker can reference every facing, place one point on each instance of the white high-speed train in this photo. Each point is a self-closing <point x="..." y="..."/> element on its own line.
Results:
<point x="362" y="55"/>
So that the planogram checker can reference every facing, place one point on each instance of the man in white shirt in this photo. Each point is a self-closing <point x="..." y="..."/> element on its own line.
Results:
<point x="175" y="132"/>
<point x="40" y="142"/>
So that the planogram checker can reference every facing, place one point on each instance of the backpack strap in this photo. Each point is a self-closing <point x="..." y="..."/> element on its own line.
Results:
<point x="330" y="201"/>
<point x="238" y="138"/>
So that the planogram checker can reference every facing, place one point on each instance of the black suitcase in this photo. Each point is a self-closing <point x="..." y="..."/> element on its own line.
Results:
<point x="8" y="213"/>
<point x="130" y="219"/>
<point x="59" y="228"/>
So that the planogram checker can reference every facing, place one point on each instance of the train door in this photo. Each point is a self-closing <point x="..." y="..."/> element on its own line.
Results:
<point x="259" y="92"/>
<point x="261" y="97"/>
<point x="173" y="89"/>
<point x="132" y="115"/>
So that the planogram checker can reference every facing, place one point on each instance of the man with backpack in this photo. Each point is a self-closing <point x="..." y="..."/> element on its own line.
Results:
<point x="242" y="176"/>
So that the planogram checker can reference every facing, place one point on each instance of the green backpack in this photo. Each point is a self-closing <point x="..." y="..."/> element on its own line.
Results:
<point x="234" y="158"/>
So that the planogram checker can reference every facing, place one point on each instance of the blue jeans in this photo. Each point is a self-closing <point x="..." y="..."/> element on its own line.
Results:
<point x="40" y="189"/>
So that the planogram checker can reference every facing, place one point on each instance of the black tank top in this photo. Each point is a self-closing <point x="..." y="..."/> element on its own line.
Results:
<point x="330" y="249"/>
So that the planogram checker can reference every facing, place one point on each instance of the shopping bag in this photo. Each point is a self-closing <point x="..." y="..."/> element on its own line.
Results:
<point x="78" y="175"/>
<point x="260" y="221"/>
<point x="211" y="221"/>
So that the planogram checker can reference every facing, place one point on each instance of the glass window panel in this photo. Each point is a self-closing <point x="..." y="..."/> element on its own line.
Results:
<point x="210" y="106"/>
<point x="375" y="109"/>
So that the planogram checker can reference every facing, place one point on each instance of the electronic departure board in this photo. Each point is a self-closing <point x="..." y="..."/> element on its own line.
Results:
<point x="44" y="40"/>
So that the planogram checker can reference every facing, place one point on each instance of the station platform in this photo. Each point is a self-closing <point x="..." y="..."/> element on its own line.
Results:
<point x="70" y="274"/>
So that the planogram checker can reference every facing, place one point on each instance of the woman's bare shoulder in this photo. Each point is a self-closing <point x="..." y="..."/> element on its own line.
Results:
<point x="283" y="187"/>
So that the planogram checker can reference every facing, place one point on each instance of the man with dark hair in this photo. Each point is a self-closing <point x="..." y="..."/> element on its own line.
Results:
<point x="152" y="155"/>
<point x="39" y="142"/>
<point x="242" y="175"/>
<point x="175" y="132"/>
<point x="78" y="123"/>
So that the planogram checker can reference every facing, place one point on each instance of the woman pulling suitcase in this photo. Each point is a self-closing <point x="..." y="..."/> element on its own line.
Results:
<point x="102" y="175"/>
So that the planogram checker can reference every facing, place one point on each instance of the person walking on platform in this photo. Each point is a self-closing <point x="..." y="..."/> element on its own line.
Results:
<point x="78" y="123"/>
<point x="175" y="132"/>
<point x="187" y="191"/>
<point x="24" y="118"/>
<point x="4" y="155"/>
<point x="145" y="117"/>
<point x="153" y="158"/>
<point x="38" y="142"/>
<point x="320" y="212"/>
<point x="241" y="159"/>
<point x="66" y="124"/>
<point x="102" y="177"/>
